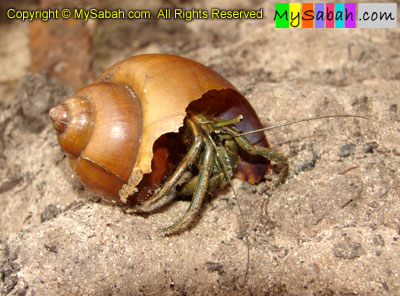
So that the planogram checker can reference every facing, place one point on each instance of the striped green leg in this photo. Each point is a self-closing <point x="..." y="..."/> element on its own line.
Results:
<point x="214" y="183"/>
<point x="226" y="156"/>
<point x="201" y="190"/>
<point x="190" y="158"/>
<point x="262" y="151"/>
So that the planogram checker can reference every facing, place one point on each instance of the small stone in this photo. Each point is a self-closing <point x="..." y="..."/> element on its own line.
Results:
<point x="50" y="212"/>
<point x="347" y="250"/>
<point x="347" y="150"/>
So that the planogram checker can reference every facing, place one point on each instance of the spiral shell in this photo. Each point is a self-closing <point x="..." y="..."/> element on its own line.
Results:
<point x="113" y="129"/>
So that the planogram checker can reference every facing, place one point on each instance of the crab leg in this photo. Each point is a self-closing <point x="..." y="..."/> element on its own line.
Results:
<point x="226" y="156"/>
<point x="215" y="182"/>
<point x="178" y="172"/>
<point x="201" y="190"/>
<point x="264" y="152"/>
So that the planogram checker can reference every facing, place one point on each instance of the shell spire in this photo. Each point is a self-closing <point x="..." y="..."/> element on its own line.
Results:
<point x="59" y="117"/>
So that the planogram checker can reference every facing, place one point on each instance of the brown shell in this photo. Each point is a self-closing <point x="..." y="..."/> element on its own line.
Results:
<point x="164" y="86"/>
<point x="101" y="133"/>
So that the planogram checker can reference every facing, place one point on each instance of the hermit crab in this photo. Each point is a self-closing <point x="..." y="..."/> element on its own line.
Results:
<point x="148" y="119"/>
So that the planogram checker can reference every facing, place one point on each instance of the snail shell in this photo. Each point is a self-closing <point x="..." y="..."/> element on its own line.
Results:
<point x="112" y="130"/>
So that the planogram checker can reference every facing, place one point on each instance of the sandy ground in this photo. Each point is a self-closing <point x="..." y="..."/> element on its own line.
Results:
<point x="332" y="229"/>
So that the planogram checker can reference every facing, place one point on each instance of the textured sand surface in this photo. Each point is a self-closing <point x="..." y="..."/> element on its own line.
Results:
<point x="332" y="229"/>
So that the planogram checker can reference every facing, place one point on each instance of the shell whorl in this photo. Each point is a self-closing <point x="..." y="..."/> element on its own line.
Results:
<point x="100" y="129"/>
<point x="73" y="120"/>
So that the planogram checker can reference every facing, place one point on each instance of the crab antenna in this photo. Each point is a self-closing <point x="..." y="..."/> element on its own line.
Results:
<point x="243" y="222"/>
<point x="302" y="120"/>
